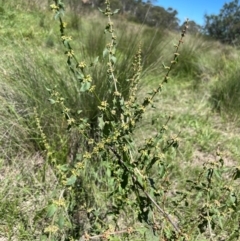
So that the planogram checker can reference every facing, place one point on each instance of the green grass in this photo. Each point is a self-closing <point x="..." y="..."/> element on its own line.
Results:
<point x="225" y="94"/>
<point x="32" y="60"/>
<point x="200" y="128"/>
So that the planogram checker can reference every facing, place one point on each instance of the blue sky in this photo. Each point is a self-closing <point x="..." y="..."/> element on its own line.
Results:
<point x="193" y="9"/>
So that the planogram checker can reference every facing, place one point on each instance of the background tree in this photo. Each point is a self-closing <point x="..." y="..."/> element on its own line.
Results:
<point x="225" y="26"/>
<point x="137" y="10"/>
<point x="156" y="16"/>
<point x="193" y="27"/>
<point x="160" y="17"/>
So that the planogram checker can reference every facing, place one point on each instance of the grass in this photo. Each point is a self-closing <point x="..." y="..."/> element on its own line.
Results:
<point x="192" y="116"/>
<point x="34" y="63"/>
<point x="225" y="94"/>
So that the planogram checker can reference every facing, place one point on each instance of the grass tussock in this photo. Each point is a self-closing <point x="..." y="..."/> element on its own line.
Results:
<point x="225" y="93"/>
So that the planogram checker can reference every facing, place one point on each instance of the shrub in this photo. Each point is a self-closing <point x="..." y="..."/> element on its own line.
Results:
<point x="106" y="183"/>
<point x="106" y="149"/>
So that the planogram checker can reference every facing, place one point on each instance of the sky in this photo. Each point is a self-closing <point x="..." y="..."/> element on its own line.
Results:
<point x="193" y="9"/>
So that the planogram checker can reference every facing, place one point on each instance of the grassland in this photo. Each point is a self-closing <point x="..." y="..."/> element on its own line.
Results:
<point x="201" y="97"/>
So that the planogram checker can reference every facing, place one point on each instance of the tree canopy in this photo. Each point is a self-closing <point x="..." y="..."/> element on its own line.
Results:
<point x="226" y="25"/>
<point x="137" y="10"/>
<point x="140" y="11"/>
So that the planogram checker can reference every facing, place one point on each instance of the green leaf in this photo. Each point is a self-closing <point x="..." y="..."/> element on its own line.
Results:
<point x="52" y="101"/>
<point x="101" y="122"/>
<point x="43" y="238"/>
<point x="64" y="167"/>
<point x="71" y="180"/>
<point x="85" y="86"/>
<point x="61" y="12"/>
<point x="56" y="15"/>
<point x="109" y="172"/>
<point x="140" y="180"/>
<point x="105" y="52"/>
<point x="47" y="89"/>
<point x="96" y="60"/>
<point x="61" y="221"/>
<point x="217" y="174"/>
<point x="113" y="59"/>
<point x="220" y="222"/>
<point x="116" y="11"/>
<point x="79" y="157"/>
<point x="80" y="76"/>
<point x="65" y="43"/>
<point x="51" y="210"/>
<point x="113" y="50"/>
<point x="100" y="10"/>
<point x="61" y="4"/>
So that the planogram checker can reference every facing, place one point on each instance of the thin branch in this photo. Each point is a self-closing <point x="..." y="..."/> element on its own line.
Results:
<point x="165" y="215"/>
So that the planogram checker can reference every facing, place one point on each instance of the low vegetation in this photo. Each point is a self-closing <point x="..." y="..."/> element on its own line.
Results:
<point x="132" y="135"/>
